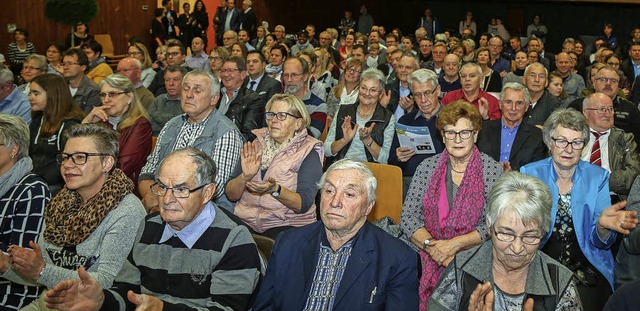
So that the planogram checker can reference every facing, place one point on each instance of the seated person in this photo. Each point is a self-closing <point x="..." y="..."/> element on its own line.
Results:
<point x="470" y="78"/>
<point x="509" y="267"/>
<point x="200" y="258"/>
<point x="276" y="189"/>
<point x="167" y="105"/>
<point x="98" y="68"/>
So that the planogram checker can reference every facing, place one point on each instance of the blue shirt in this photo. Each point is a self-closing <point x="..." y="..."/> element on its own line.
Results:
<point x="507" y="135"/>
<point x="501" y="65"/>
<point x="403" y="93"/>
<point x="190" y="234"/>
<point x="16" y="103"/>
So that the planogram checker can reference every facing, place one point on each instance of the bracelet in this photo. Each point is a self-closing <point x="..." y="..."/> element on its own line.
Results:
<point x="369" y="144"/>
<point x="425" y="244"/>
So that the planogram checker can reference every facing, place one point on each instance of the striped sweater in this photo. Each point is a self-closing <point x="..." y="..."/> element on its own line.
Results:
<point x="220" y="271"/>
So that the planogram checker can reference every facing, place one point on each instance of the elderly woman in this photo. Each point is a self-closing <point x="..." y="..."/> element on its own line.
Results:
<point x="444" y="209"/>
<point x="121" y="110"/>
<point x="583" y="223"/>
<point x="346" y="92"/>
<point x="273" y="195"/>
<point x="510" y="265"/>
<point x="87" y="224"/>
<point x="34" y="65"/>
<point x="364" y="130"/>
<point x="23" y="196"/>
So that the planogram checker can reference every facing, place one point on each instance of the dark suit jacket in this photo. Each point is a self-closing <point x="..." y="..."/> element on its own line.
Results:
<point x="167" y="25"/>
<point x="247" y="111"/>
<point x="249" y="21"/>
<point x="267" y="85"/>
<point x="527" y="146"/>
<point x="394" y="87"/>
<point x="379" y="264"/>
<point x="236" y="19"/>
<point x="627" y="68"/>
<point x="543" y="109"/>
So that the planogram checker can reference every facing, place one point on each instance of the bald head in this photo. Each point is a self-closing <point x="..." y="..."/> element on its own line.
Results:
<point x="130" y="68"/>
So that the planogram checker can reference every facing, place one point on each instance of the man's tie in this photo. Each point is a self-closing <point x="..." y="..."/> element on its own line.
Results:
<point x="595" y="150"/>
<point x="252" y="85"/>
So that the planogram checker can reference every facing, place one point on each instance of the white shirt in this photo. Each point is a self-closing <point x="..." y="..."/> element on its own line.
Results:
<point x="604" y="148"/>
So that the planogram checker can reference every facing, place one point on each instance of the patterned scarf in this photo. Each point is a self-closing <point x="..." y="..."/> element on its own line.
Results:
<point x="462" y="219"/>
<point x="270" y="150"/>
<point x="69" y="221"/>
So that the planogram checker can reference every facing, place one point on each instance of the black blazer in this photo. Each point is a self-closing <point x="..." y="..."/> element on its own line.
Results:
<point x="527" y="146"/>
<point x="267" y="85"/>
<point x="249" y="22"/>
<point x="247" y="112"/>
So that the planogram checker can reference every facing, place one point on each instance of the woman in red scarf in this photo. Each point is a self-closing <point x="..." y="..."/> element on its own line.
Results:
<point x="444" y="209"/>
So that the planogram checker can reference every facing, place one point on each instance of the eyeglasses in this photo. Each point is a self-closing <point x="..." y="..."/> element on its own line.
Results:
<point x="439" y="52"/>
<point x="180" y="192"/>
<point x="111" y="94"/>
<point x="601" y="110"/>
<point x="29" y="68"/>
<point x="354" y="70"/>
<point x="173" y="54"/>
<point x="424" y="94"/>
<point x="613" y="64"/>
<point x="510" y="237"/>
<point x="229" y="70"/>
<point x="464" y="134"/>
<point x="281" y="116"/>
<point x="609" y="80"/>
<point x="216" y="58"/>
<point x="365" y="90"/>
<point x="133" y="54"/>
<point x="495" y="45"/>
<point x="79" y="158"/>
<point x="291" y="75"/>
<point x="563" y="143"/>
<point x="68" y="64"/>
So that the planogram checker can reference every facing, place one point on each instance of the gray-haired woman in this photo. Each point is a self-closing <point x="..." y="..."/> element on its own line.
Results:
<point x="509" y="267"/>
<point x="362" y="131"/>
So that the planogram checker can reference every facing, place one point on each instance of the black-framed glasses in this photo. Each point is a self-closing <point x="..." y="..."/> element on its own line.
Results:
<point x="216" y="58"/>
<point x="510" y="237"/>
<point x="610" y="80"/>
<point x="133" y="54"/>
<point x="601" y="110"/>
<point x="424" y="94"/>
<point x="180" y="192"/>
<point x="111" y="94"/>
<point x="79" y="158"/>
<point x="354" y="70"/>
<point x="229" y="70"/>
<point x="281" y="116"/>
<point x="464" y="134"/>
<point x="563" y="143"/>
<point x="291" y="75"/>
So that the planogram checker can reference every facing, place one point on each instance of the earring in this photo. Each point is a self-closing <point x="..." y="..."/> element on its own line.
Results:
<point x="105" y="173"/>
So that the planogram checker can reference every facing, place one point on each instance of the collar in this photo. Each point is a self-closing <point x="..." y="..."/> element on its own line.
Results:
<point x="13" y="96"/>
<point x="185" y="118"/>
<point x="420" y="114"/>
<point x="515" y="128"/>
<point x="190" y="234"/>
<point x="324" y="241"/>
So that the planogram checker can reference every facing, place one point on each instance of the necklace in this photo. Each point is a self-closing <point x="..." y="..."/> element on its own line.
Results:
<point x="364" y="115"/>
<point x="459" y="172"/>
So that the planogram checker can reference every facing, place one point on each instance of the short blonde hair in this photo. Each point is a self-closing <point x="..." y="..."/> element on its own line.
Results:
<point x="296" y="107"/>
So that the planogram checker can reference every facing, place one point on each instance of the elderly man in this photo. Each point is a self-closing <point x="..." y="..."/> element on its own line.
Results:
<point x="202" y="127"/>
<point x="84" y="91"/>
<point x="426" y="91"/>
<point x="626" y="114"/>
<point x="325" y="42"/>
<point x="438" y="52"/>
<point x="198" y="58"/>
<point x="241" y="105"/>
<point x="398" y="98"/>
<point x="12" y="100"/>
<point x="498" y="63"/>
<point x="536" y="45"/>
<point x="176" y="55"/>
<point x="450" y="80"/>
<point x="167" y="105"/>
<point x="34" y="65"/>
<point x="508" y="140"/>
<point x="341" y="262"/>
<point x="542" y="103"/>
<point x="295" y="74"/>
<point x="132" y="68"/>
<point x="610" y="147"/>
<point x="243" y="37"/>
<point x="573" y="84"/>
<point x="229" y="38"/>
<point x="470" y="76"/>
<point x="257" y="80"/>
<point x="191" y="255"/>
<point x="249" y="20"/>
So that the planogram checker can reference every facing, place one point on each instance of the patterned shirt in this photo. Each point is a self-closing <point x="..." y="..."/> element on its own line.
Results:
<point x="329" y="271"/>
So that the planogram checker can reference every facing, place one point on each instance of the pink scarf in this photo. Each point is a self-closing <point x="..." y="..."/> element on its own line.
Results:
<point x="444" y="223"/>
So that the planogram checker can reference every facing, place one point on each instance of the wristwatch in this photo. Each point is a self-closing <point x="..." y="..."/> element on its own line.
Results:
<point x="276" y="193"/>
<point x="425" y="243"/>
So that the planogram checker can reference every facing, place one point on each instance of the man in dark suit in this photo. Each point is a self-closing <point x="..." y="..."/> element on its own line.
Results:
<point x="230" y="19"/>
<point x="256" y="80"/>
<point x="398" y="95"/>
<point x="169" y="20"/>
<point x="542" y="104"/>
<point x="249" y="19"/>
<point x="362" y="266"/>
<point x="631" y="65"/>
<point x="509" y="140"/>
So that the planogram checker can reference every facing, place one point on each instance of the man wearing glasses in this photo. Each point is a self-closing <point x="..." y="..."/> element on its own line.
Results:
<point x="132" y="68"/>
<point x="84" y="91"/>
<point x="610" y="147"/>
<point x="295" y="74"/>
<point x="176" y="55"/>
<point x="498" y="63"/>
<point x="190" y="255"/>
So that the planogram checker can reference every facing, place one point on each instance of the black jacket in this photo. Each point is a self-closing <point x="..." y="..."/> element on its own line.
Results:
<point x="247" y="111"/>
<point x="527" y="145"/>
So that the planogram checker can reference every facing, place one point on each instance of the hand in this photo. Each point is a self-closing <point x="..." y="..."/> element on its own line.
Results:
<point x="27" y="262"/>
<point x="365" y="133"/>
<point x="482" y="298"/>
<point x="506" y="166"/>
<point x="5" y="263"/>
<point x="145" y="302"/>
<point x="404" y="153"/>
<point x="348" y="131"/>
<point x="528" y="305"/>
<point x="483" y="108"/>
<point x="76" y="295"/>
<point x="406" y="102"/>
<point x="617" y="219"/>
<point x="448" y="261"/>
<point x="503" y="74"/>
<point x="385" y="99"/>
<point x="261" y="188"/>
<point x="97" y="114"/>
<point x="441" y="250"/>
<point x="250" y="159"/>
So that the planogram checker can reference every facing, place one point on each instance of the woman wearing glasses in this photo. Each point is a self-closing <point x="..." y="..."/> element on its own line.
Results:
<point x="121" y="110"/>
<point x="509" y="266"/>
<point x="443" y="213"/>
<point x="583" y="225"/>
<point x="90" y="223"/>
<point x="346" y="92"/>
<point x="364" y="130"/>
<point x="276" y="189"/>
<point x="139" y="51"/>
<point x="217" y="57"/>
<point x="53" y="111"/>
